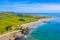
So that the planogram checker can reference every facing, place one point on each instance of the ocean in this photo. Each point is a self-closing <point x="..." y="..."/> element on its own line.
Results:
<point x="48" y="31"/>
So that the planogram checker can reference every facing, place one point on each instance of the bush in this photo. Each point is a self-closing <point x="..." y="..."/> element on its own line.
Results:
<point x="8" y="28"/>
<point x="18" y="27"/>
<point x="21" y="20"/>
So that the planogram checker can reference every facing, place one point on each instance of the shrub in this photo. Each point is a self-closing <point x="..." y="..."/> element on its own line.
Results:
<point x="21" y="20"/>
<point x="18" y="27"/>
<point x="8" y="28"/>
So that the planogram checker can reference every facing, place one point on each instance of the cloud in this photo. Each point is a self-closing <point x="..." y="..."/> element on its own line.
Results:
<point x="31" y="8"/>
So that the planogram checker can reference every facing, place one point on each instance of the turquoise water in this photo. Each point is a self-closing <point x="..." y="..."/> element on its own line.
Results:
<point x="48" y="31"/>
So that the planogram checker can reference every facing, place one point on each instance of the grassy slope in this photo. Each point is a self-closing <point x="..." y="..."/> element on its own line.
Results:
<point x="7" y="18"/>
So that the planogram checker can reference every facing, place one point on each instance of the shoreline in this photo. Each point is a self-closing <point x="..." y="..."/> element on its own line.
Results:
<point x="29" y="25"/>
<point x="35" y="23"/>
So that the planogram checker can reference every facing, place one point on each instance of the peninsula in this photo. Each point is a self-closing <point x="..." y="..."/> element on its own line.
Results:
<point x="12" y="23"/>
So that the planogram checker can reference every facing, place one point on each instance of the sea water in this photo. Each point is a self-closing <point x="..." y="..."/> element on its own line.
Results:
<point x="48" y="31"/>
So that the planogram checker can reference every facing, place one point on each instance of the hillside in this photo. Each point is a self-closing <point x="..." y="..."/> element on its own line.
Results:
<point x="9" y="18"/>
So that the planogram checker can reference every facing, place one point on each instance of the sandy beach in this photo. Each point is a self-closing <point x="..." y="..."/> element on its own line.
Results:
<point x="30" y="25"/>
<point x="34" y="24"/>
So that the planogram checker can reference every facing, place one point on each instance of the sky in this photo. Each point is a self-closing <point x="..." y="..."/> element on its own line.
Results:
<point x="30" y="6"/>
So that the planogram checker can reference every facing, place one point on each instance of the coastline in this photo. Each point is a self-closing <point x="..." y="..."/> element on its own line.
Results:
<point x="34" y="24"/>
<point x="29" y="25"/>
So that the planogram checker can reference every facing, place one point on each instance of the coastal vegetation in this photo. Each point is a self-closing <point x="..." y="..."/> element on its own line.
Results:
<point x="10" y="21"/>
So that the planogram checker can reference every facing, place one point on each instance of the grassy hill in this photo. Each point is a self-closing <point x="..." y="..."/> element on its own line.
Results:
<point x="9" y="18"/>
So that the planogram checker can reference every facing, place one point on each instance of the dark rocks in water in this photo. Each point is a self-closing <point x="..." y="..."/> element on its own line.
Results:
<point x="40" y="34"/>
<point x="34" y="34"/>
<point x="58" y="32"/>
<point x="46" y="21"/>
<point x="38" y="30"/>
<point x="23" y="38"/>
<point x="20" y="38"/>
<point x="17" y="38"/>
<point x="44" y="32"/>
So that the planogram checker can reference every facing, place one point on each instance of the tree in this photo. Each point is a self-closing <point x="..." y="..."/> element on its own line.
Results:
<point x="8" y="28"/>
<point x="21" y="20"/>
